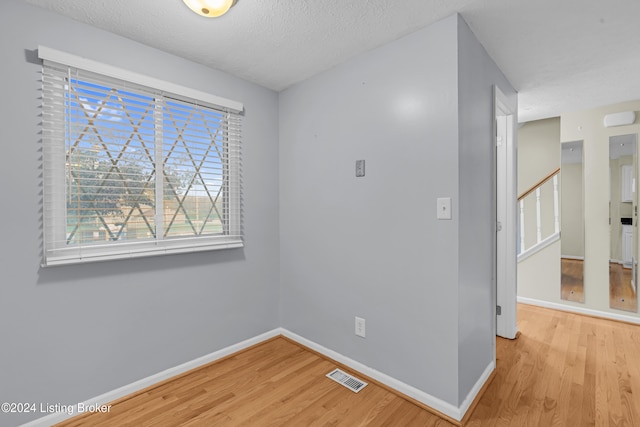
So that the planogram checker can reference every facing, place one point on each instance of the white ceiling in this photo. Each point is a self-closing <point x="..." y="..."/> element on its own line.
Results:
<point x="561" y="55"/>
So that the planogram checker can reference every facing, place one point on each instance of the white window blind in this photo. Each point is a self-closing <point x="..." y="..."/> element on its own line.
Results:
<point x="131" y="170"/>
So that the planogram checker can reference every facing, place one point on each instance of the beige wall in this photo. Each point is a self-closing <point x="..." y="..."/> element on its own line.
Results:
<point x="571" y="218"/>
<point x="586" y="126"/>
<point x="538" y="155"/>
<point x="547" y="215"/>
<point x="539" y="275"/>
<point x="538" y="151"/>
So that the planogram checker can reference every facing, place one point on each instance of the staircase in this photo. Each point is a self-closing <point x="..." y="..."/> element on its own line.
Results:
<point x="539" y="218"/>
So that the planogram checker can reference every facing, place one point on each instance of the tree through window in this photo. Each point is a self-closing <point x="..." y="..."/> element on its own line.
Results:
<point x="133" y="171"/>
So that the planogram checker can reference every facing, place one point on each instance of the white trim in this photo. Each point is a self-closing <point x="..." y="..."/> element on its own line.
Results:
<point x="69" y="59"/>
<point x="433" y="402"/>
<point x="577" y="258"/>
<point x="505" y="253"/>
<point x="580" y="310"/>
<point x="538" y="217"/>
<point x="473" y="393"/>
<point x="128" y="389"/>
<point x="581" y="258"/>
<point x="457" y="413"/>
<point x="521" y="243"/>
<point x="539" y="246"/>
<point x="138" y="250"/>
<point x="556" y="205"/>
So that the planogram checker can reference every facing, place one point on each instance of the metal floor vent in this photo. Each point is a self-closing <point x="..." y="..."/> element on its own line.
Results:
<point x="352" y="383"/>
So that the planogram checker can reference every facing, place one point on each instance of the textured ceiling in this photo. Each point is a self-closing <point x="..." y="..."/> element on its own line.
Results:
<point x="561" y="55"/>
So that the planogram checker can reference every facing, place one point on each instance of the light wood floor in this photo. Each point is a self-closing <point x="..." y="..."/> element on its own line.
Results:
<point x="621" y="294"/>
<point x="572" y="283"/>
<point x="563" y="370"/>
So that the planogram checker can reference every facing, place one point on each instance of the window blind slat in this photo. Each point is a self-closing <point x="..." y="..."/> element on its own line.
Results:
<point x="173" y="90"/>
<point x="133" y="171"/>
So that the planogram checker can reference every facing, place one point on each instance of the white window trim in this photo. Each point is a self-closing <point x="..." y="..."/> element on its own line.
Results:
<point x="143" y="248"/>
<point x="75" y="61"/>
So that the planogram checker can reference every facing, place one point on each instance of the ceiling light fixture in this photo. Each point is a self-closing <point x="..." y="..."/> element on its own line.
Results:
<point x="210" y="8"/>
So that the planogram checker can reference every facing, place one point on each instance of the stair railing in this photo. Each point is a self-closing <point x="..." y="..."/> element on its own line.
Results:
<point x="541" y="241"/>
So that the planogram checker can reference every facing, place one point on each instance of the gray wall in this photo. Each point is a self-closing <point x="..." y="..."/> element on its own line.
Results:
<point x="321" y="245"/>
<point x="372" y="246"/>
<point x="71" y="333"/>
<point x="477" y="74"/>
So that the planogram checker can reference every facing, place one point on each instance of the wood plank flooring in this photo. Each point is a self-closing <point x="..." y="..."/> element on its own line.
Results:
<point x="563" y="370"/>
<point x="621" y="293"/>
<point x="572" y="283"/>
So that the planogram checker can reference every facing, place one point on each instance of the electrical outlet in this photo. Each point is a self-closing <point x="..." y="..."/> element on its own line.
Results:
<point x="360" y="327"/>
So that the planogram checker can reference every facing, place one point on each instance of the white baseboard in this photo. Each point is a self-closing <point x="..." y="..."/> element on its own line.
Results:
<point x="473" y="393"/>
<point x="574" y="257"/>
<point x="457" y="413"/>
<point x="580" y="310"/>
<point x="627" y="265"/>
<point x="128" y="389"/>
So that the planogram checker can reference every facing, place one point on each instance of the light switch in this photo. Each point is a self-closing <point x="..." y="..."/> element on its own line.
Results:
<point x="359" y="168"/>
<point x="444" y="207"/>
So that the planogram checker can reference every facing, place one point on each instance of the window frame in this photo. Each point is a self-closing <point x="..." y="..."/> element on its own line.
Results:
<point x="56" y="250"/>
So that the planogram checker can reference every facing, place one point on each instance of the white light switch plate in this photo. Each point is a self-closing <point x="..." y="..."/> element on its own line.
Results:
<point x="360" y="327"/>
<point x="444" y="207"/>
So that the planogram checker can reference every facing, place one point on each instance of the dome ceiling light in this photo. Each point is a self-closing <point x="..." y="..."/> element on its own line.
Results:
<point x="210" y="8"/>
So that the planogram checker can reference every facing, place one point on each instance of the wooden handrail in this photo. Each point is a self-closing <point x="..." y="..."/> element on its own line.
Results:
<point x="538" y="184"/>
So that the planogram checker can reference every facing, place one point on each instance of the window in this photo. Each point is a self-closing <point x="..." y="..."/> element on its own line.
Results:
<point x="133" y="169"/>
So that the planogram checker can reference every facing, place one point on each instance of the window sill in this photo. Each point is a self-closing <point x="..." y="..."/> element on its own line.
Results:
<point x="100" y="253"/>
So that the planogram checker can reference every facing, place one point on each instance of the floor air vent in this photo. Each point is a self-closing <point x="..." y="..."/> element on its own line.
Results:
<point x="347" y="380"/>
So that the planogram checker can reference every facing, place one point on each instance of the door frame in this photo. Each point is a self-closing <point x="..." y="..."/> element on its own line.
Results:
<point x="505" y="254"/>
